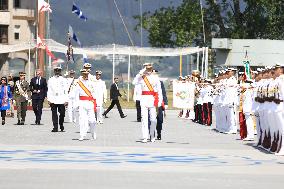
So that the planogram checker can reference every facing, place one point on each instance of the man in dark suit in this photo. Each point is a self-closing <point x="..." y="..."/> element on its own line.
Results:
<point x="114" y="94"/>
<point x="38" y="87"/>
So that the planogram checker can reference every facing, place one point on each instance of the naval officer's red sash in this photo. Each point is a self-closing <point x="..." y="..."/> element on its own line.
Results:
<point x="89" y="96"/>
<point x="151" y="91"/>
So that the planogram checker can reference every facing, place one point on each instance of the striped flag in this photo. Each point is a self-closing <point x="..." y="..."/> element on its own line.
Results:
<point x="73" y="36"/>
<point x="76" y="10"/>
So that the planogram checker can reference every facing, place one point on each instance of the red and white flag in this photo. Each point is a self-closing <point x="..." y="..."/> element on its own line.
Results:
<point x="43" y="6"/>
<point x="40" y="44"/>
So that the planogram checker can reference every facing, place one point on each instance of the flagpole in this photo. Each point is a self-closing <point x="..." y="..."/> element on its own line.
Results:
<point x="48" y="37"/>
<point x="202" y="62"/>
<point x="29" y="63"/>
<point x="128" y="77"/>
<point x="36" y="34"/>
<point x="141" y="25"/>
<point x="197" y="61"/>
<point x="113" y="62"/>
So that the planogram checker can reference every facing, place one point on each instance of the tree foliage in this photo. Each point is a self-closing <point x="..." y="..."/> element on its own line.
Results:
<point x="244" y="19"/>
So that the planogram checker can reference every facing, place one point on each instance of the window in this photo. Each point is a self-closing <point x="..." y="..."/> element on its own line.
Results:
<point x="17" y="3"/>
<point x="17" y="32"/>
<point x="3" y="34"/>
<point x="3" y="4"/>
<point x="17" y="36"/>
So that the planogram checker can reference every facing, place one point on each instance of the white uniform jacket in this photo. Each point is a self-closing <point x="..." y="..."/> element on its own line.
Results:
<point x="148" y="100"/>
<point x="57" y="90"/>
<point x="80" y="92"/>
<point x="100" y="87"/>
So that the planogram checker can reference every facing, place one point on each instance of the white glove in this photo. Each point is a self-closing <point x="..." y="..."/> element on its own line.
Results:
<point x="166" y="107"/>
<point x="141" y="72"/>
<point x="105" y="100"/>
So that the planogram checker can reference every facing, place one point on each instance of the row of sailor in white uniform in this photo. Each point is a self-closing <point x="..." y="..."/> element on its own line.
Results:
<point x="261" y="102"/>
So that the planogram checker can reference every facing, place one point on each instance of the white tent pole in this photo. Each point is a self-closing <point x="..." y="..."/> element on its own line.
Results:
<point x="113" y="62"/>
<point x="202" y="62"/>
<point x="206" y="63"/>
<point x="197" y="61"/>
<point x="29" y="66"/>
<point x="128" y="79"/>
<point x="49" y="66"/>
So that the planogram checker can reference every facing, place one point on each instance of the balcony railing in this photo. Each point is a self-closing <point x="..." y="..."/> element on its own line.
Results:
<point x="25" y="14"/>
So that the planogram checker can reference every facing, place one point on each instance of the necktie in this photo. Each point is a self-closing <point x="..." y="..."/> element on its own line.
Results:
<point x="38" y="81"/>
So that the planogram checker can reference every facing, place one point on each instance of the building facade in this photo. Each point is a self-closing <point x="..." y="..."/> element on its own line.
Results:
<point x="17" y="26"/>
<point x="260" y="52"/>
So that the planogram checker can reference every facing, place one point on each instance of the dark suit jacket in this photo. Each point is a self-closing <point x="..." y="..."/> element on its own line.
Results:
<point x="114" y="92"/>
<point x="160" y="115"/>
<point x="42" y="87"/>
<point x="165" y="99"/>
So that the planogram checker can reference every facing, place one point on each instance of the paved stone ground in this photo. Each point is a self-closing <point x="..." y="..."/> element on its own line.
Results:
<point x="190" y="155"/>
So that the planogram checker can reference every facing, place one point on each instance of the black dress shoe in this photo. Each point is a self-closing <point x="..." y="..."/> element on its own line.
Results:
<point x="19" y="122"/>
<point x="124" y="116"/>
<point x="106" y="116"/>
<point x="54" y="130"/>
<point x="62" y="128"/>
<point x="159" y="137"/>
<point x="3" y="122"/>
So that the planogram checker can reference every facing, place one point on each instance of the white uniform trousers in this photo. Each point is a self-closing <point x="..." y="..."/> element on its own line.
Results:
<point x="100" y="111"/>
<point x="280" y="124"/>
<point x="153" y="118"/>
<point x="222" y="112"/>
<point x="232" y="126"/>
<point x="226" y="119"/>
<point x="258" y="126"/>
<point x="217" y="116"/>
<point x="250" y="126"/>
<point x="191" y="114"/>
<point x="87" y="118"/>
<point x="71" y="111"/>
<point x="273" y="127"/>
<point x="265" y="120"/>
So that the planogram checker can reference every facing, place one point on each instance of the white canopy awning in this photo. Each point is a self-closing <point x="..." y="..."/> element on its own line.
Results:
<point x="104" y="50"/>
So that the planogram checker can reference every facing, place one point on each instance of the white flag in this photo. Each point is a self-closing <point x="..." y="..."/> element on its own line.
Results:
<point x="43" y="6"/>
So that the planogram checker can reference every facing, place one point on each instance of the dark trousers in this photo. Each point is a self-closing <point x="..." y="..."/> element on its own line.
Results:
<point x="199" y="113"/>
<point x="207" y="113"/>
<point x="22" y="110"/>
<point x="37" y="108"/>
<point x="3" y="114"/>
<point x="138" y="109"/>
<point x="160" y="120"/>
<point x="61" y="110"/>
<point x="115" y="102"/>
<point x="243" y="126"/>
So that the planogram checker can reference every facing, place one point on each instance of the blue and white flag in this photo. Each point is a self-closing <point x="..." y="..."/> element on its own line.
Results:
<point x="76" y="10"/>
<point x="73" y="35"/>
<point x="85" y="58"/>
